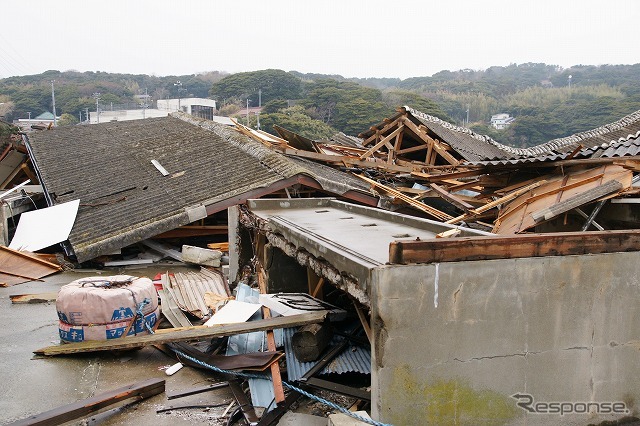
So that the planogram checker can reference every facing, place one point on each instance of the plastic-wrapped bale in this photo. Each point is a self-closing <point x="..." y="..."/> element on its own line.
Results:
<point x="101" y="308"/>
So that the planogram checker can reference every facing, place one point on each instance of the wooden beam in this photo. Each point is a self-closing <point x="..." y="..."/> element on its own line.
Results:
<point x="428" y="140"/>
<point x="574" y="152"/>
<point x="194" y="231"/>
<point x="349" y="160"/>
<point x="183" y="334"/>
<point x="248" y="411"/>
<point x="445" y="176"/>
<point x="418" y="205"/>
<point x="513" y="209"/>
<point x="317" y="291"/>
<point x="85" y="407"/>
<point x="511" y="247"/>
<point x="364" y="321"/>
<point x="577" y="201"/>
<point x="386" y="128"/>
<point x="441" y="149"/>
<point x="276" y="378"/>
<point x="383" y="142"/>
<point x="495" y="203"/>
<point x="447" y="196"/>
<point x="412" y="149"/>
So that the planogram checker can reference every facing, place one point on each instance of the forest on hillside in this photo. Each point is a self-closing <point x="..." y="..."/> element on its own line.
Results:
<point x="547" y="101"/>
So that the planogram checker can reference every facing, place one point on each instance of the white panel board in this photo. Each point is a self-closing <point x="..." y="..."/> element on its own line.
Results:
<point x="45" y="227"/>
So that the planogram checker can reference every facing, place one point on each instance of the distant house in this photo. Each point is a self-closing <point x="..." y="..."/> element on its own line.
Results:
<point x="43" y="120"/>
<point x="197" y="107"/>
<point x="501" y="121"/>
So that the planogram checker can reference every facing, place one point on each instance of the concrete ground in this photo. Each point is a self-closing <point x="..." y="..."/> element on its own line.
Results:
<point x="30" y="386"/>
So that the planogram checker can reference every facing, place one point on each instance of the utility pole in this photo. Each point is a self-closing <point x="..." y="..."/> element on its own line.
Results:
<point x="97" y="96"/>
<point x="29" y="119"/>
<point x="259" y="106"/>
<point x="53" y="102"/>
<point x="86" y="115"/>
<point x="247" y="112"/>
<point x="467" y="115"/>
<point x="179" y="84"/>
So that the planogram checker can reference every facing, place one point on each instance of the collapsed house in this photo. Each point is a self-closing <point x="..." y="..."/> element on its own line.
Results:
<point x="491" y="293"/>
<point x="136" y="180"/>
<point x="469" y="329"/>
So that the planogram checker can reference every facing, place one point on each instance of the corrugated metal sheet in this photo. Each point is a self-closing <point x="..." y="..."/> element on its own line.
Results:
<point x="261" y="389"/>
<point x="354" y="359"/>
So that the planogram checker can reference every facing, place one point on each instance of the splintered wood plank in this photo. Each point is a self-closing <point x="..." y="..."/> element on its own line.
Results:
<point x="518" y="215"/>
<point x="19" y="267"/>
<point x="447" y="196"/>
<point x="219" y="246"/>
<point x="478" y="211"/>
<point x="513" y="246"/>
<point x="33" y="298"/>
<point x="577" y="201"/>
<point x="183" y="334"/>
<point x="85" y="407"/>
<point x="276" y="378"/>
<point x="397" y="194"/>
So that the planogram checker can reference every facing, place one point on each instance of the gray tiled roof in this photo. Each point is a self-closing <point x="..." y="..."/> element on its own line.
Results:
<point x="475" y="147"/>
<point x="125" y="199"/>
<point x="618" y="139"/>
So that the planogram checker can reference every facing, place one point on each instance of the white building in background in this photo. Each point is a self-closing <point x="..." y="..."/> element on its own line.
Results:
<point x="501" y="121"/>
<point x="198" y="107"/>
<point x="126" y="115"/>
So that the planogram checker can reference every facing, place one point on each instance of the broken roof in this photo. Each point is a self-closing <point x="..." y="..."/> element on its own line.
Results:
<point x="476" y="148"/>
<point x="124" y="198"/>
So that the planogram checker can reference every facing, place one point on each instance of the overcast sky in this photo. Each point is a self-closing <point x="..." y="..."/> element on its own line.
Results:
<point x="371" y="38"/>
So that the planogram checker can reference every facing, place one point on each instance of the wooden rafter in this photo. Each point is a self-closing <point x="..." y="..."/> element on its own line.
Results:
<point x="399" y="195"/>
<point x="383" y="142"/>
<point x="430" y="142"/>
<point x="453" y="199"/>
<point x="378" y="132"/>
<point x="495" y="203"/>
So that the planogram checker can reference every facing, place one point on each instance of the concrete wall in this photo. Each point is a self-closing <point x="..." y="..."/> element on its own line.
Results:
<point x="454" y="341"/>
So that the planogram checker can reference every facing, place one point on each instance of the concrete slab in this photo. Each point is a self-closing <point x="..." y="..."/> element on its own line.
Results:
<point x="300" y="419"/>
<point x="31" y="386"/>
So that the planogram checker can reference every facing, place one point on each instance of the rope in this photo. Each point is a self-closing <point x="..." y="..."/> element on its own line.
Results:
<point x="257" y="376"/>
<point x="139" y="313"/>
<point x="288" y="385"/>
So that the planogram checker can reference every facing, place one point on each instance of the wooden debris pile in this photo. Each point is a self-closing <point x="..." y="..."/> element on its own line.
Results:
<point x="453" y="175"/>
